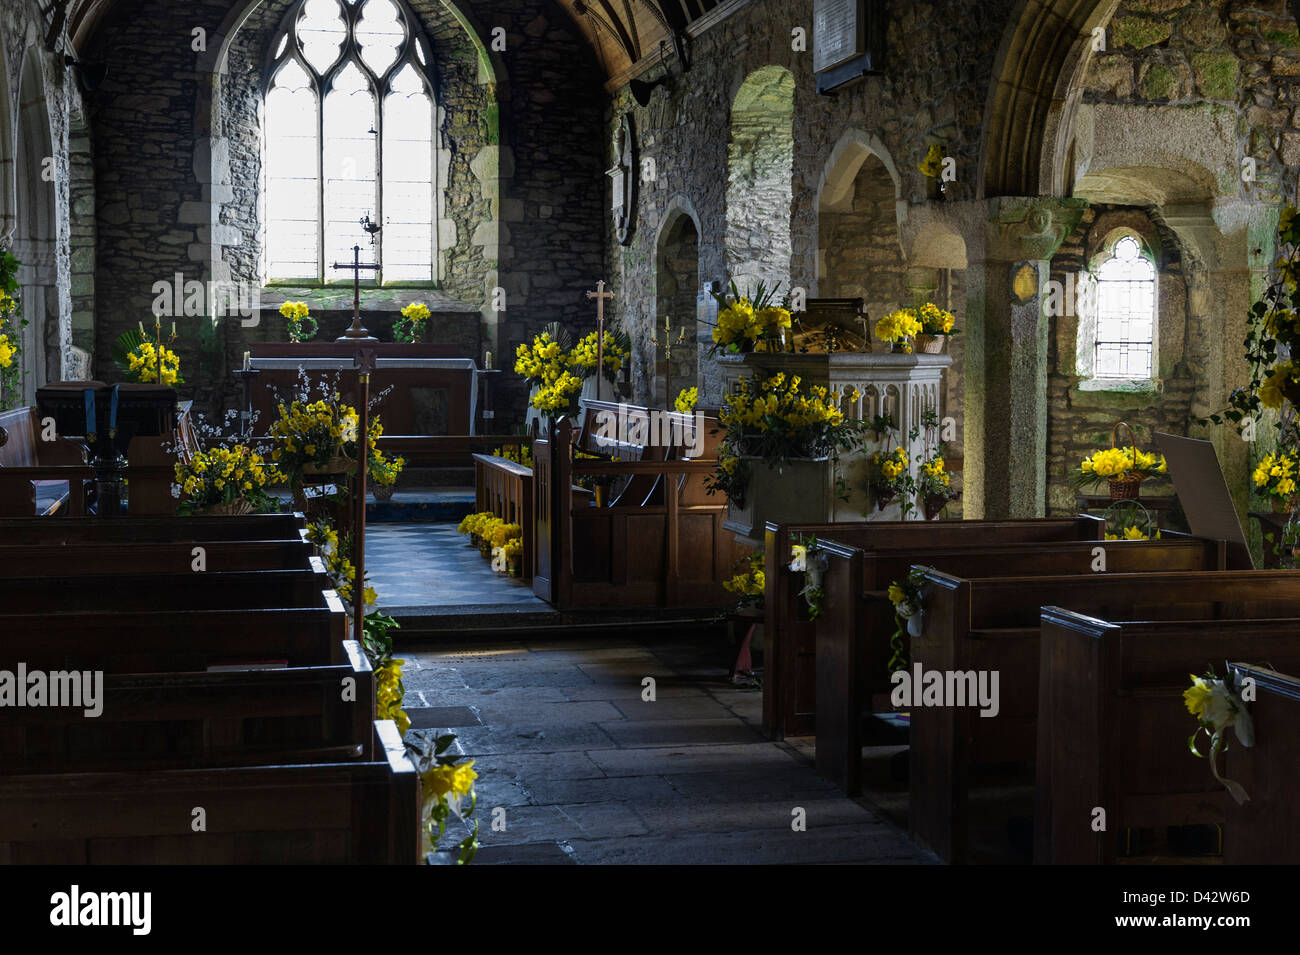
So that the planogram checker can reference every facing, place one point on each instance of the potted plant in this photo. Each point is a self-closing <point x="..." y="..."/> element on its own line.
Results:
<point x="514" y="556"/>
<point x="1275" y="477"/>
<point x="937" y="325"/>
<point x="296" y="314"/>
<point x="410" y="328"/>
<point x="775" y="461"/>
<point x="899" y="328"/>
<point x="933" y="480"/>
<point x="746" y="320"/>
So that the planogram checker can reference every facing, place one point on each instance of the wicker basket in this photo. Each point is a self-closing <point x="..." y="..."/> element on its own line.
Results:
<point x="1127" y="488"/>
<point x="337" y="465"/>
<point x="931" y="344"/>
<point x="236" y="508"/>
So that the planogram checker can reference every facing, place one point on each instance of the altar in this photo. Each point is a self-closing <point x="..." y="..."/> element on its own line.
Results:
<point x="431" y="391"/>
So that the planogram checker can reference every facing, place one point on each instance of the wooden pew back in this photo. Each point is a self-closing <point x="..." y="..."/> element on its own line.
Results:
<point x="154" y="558"/>
<point x="790" y="655"/>
<point x="992" y="624"/>
<point x="1265" y="830"/>
<point x="1113" y="727"/>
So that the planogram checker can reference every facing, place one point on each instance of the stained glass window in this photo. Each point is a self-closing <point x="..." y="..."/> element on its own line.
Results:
<point x="1126" y="313"/>
<point x="349" y="120"/>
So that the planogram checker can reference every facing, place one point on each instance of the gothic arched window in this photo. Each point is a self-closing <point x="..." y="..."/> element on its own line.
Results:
<point x="1126" y="313"/>
<point x="349" y="131"/>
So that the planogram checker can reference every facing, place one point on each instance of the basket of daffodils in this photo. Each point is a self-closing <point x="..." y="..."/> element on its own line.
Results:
<point x="1275" y="477"/>
<point x="1123" y="469"/>
<point x="227" y="482"/>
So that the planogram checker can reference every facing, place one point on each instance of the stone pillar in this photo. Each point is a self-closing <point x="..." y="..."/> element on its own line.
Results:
<point x="1006" y="344"/>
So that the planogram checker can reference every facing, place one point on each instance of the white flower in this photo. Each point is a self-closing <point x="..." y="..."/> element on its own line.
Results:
<point x="350" y="429"/>
<point x="799" y="558"/>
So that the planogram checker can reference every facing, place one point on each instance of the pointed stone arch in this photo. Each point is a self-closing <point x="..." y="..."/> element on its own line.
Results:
<point x="8" y="175"/>
<point x="677" y="287"/>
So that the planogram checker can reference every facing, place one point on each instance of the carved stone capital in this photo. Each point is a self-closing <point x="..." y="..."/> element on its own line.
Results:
<point x="1020" y="229"/>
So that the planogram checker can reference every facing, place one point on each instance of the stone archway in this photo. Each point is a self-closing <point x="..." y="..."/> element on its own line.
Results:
<point x="760" y="170"/>
<point x="677" y="286"/>
<point x="859" y="250"/>
<point x="8" y="213"/>
<point x="36" y="232"/>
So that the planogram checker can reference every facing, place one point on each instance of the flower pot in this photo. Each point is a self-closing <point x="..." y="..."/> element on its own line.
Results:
<point x="383" y="492"/>
<point x="916" y="624"/>
<point x="797" y="492"/>
<point x="336" y="465"/>
<point x="236" y="508"/>
<point x="512" y="567"/>
<point x="898" y="348"/>
<point x="1125" y="489"/>
<point x="484" y="548"/>
<point x="934" y="505"/>
<point x="884" y="497"/>
<point x="931" y="344"/>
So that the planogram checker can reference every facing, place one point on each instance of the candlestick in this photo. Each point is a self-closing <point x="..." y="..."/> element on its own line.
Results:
<point x="142" y="326"/>
<point x="173" y="329"/>
<point x="487" y="361"/>
<point x="248" y="361"/>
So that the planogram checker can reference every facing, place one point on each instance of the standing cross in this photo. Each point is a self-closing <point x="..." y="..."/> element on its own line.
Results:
<point x="356" y="332"/>
<point x="600" y="295"/>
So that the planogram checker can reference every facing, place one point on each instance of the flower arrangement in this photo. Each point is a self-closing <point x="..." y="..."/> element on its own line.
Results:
<point x="389" y="694"/>
<point x="296" y="313"/>
<point x="226" y="480"/>
<point x="748" y="582"/>
<point x="518" y="453"/>
<point x="557" y="372"/>
<point x="908" y="600"/>
<point x="933" y="480"/>
<point x="745" y="320"/>
<point x="891" y="474"/>
<point x="499" y="533"/>
<point x="1124" y="469"/>
<point x="514" y="554"/>
<point x="323" y="434"/>
<point x="448" y="784"/>
<point x="899" y="328"/>
<point x="11" y="327"/>
<point x="1275" y="478"/>
<point x="474" y="524"/>
<point x="807" y="558"/>
<point x="1217" y="706"/>
<point x="413" y="323"/>
<point x="686" y="400"/>
<point x="143" y="363"/>
<point x="932" y="165"/>
<point x="936" y="321"/>
<point x="773" y="420"/>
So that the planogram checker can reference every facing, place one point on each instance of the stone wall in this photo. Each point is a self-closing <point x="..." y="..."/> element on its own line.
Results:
<point x="860" y="252"/>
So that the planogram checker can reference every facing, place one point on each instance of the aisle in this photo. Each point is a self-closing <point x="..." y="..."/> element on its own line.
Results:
<point x="428" y="566"/>
<point x="588" y="772"/>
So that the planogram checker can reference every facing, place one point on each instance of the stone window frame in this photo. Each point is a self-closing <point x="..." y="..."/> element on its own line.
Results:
<point x="350" y="53"/>
<point x="1101" y="250"/>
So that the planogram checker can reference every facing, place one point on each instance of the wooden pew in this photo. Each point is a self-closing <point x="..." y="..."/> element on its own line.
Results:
<point x="505" y="488"/>
<point x="150" y="529"/>
<point x="154" y="558"/>
<point x="982" y="624"/>
<point x="356" y="812"/>
<point x="187" y="720"/>
<point x="39" y="478"/>
<point x="190" y="591"/>
<point x="1265" y="830"/>
<point x="852" y="638"/>
<point x="1113" y="727"/>
<point x="790" y="639"/>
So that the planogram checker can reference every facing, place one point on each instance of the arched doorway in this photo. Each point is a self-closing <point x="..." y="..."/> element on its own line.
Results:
<point x="760" y="163"/>
<point x="677" y="284"/>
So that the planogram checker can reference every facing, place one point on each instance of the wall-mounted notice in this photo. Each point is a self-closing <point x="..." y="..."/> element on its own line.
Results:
<point x="838" y="32"/>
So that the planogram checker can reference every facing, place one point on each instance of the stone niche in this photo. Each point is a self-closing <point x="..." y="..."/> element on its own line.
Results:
<point x="901" y="385"/>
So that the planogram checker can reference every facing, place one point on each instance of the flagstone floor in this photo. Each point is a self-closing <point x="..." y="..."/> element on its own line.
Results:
<point x="577" y="768"/>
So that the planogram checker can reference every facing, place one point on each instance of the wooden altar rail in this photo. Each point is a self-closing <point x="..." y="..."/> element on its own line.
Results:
<point x="669" y="555"/>
<point x="506" y="489"/>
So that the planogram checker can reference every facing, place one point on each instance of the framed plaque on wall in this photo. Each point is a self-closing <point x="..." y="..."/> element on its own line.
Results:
<point x="848" y="40"/>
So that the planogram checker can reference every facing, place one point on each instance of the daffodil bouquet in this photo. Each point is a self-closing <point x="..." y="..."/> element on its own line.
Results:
<point x="748" y="582"/>
<point x="907" y="597"/>
<point x="448" y="786"/>
<point x="296" y="314"/>
<point x="143" y="364"/>
<point x="321" y="435"/>
<point x="778" y="419"/>
<point x="226" y="480"/>
<point x="686" y="400"/>
<point x="1275" y="477"/>
<point x="1121" y="466"/>
<point x="557" y="371"/>
<point x="1217" y="706"/>
<point x="899" y="328"/>
<point x="413" y="323"/>
<point x="745" y="320"/>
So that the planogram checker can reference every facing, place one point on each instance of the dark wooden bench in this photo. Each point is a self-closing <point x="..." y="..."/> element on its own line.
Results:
<point x="853" y="636"/>
<point x="1113" y="727"/>
<point x="1265" y="830"/>
<point x="355" y="812"/>
<point x="190" y="591"/>
<point x="993" y="624"/>
<point x="39" y="478"/>
<point x="790" y="639"/>
<point x="135" y="530"/>
<point x="154" y="558"/>
<point x="186" y="720"/>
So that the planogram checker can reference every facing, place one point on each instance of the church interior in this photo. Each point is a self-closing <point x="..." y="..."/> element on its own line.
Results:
<point x="657" y="432"/>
